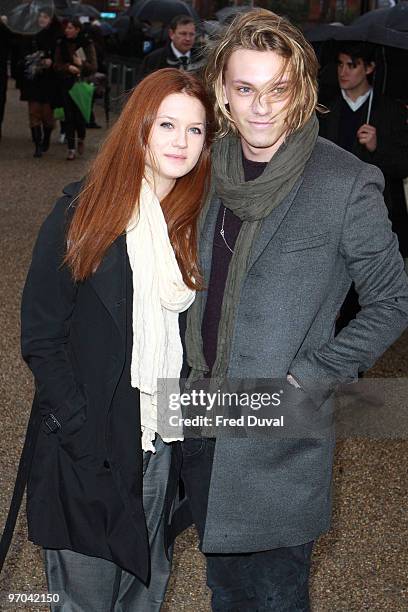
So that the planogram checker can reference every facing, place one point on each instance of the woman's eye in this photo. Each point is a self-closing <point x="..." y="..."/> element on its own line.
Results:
<point x="166" y="124"/>
<point x="196" y="130"/>
<point x="244" y="90"/>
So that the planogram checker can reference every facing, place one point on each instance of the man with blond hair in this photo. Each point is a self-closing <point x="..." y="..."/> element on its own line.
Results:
<point x="290" y="222"/>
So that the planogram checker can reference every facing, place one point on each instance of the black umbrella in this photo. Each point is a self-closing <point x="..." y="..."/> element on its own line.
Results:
<point x="383" y="26"/>
<point x="395" y="18"/>
<point x="80" y="10"/>
<point x="229" y="12"/>
<point x="161" y="10"/>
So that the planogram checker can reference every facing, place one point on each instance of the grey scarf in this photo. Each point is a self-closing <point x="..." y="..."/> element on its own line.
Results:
<point x="251" y="201"/>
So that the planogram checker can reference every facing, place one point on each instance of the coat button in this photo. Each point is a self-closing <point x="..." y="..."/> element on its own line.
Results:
<point x="106" y="464"/>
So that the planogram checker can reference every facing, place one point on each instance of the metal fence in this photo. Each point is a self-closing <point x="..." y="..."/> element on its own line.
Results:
<point x="123" y="75"/>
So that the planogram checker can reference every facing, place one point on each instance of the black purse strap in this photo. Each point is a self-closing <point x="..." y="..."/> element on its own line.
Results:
<point x="23" y="473"/>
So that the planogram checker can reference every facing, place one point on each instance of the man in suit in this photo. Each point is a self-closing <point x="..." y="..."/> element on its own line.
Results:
<point x="178" y="53"/>
<point x="290" y="222"/>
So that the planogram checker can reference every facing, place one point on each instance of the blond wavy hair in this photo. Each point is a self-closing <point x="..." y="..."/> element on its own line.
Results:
<point x="262" y="30"/>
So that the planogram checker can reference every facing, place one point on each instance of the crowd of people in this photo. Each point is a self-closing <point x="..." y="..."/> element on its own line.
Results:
<point x="216" y="235"/>
<point x="45" y="67"/>
<point x="47" y="64"/>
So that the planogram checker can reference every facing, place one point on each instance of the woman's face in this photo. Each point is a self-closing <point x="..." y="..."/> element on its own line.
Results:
<point x="176" y="139"/>
<point x="44" y="20"/>
<point x="71" y="31"/>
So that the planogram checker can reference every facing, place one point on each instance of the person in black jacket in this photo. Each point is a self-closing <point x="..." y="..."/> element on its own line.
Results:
<point x="179" y="52"/>
<point x="375" y="129"/>
<point x="75" y="57"/>
<point x="38" y="84"/>
<point x="114" y="265"/>
<point x="371" y="126"/>
<point x="5" y="47"/>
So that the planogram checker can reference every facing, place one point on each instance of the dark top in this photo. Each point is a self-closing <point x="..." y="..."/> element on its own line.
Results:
<point x="349" y="124"/>
<point x="221" y="258"/>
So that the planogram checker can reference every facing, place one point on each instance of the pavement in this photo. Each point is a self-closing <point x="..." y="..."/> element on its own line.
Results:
<point x="361" y="564"/>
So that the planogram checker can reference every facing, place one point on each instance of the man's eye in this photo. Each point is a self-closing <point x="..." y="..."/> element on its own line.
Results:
<point x="166" y="124"/>
<point x="196" y="130"/>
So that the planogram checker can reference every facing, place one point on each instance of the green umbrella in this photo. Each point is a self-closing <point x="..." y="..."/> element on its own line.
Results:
<point x="82" y="94"/>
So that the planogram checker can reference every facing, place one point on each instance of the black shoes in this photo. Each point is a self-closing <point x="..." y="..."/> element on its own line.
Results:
<point x="45" y="143"/>
<point x="37" y="139"/>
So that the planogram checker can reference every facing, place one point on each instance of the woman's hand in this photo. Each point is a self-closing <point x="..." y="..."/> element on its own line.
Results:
<point x="77" y="60"/>
<point x="74" y="69"/>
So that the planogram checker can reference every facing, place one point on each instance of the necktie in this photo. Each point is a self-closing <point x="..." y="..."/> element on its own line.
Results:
<point x="183" y="62"/>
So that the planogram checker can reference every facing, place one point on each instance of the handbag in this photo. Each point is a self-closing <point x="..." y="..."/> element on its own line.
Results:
<point x="82" y="94"/>
<point x="33" y="65"/>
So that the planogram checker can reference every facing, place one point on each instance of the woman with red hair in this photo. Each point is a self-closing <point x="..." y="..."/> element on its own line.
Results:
<point x="114" y="269"/>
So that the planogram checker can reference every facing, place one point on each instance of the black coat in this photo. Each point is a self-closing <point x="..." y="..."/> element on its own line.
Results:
<point x="43" y="87"/>
<point x="5" y="49"/>
<point x="165" y="58"/>
<point x="85" y="484"/>
<point x="391" y="156"/>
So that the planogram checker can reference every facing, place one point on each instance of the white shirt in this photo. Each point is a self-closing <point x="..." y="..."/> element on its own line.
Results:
<point x="356" y="104"/>
<point x="178" y="53"/>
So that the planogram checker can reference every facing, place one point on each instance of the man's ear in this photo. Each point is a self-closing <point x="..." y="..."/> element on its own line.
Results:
<point x="370" y="68"/>
<point x="171" y="34"/>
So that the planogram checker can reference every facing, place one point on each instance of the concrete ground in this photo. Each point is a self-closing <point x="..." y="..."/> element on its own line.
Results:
<point x="360" y="565"/>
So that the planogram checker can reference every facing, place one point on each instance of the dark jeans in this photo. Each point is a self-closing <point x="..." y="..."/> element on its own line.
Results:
<point x="74" y="121"/>
<point x="264" y="581"/>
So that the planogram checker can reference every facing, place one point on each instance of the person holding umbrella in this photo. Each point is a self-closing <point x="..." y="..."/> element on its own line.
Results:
<point x="114" y="269"/>
<point x="38" y="84"/>
<point x="75" y="57"/>
<point x="374" y="128"/>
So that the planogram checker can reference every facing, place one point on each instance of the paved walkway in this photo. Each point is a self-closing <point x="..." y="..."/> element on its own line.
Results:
<point x="360" y="565"/>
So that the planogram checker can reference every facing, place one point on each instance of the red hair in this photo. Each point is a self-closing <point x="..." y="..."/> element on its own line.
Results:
<point x="111" y="192"/>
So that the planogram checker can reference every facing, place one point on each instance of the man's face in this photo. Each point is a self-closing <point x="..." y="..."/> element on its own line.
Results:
<point x="183" y="37"/>
<point x="352" y="74"/>
<point x="260" y="121"/>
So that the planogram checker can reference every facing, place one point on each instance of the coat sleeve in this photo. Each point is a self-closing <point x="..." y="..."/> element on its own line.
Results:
<point x="90" y="65"/>
<point x="47" y="305"/>
<point x="60" y="66"/>
<point x="370" y="250"/>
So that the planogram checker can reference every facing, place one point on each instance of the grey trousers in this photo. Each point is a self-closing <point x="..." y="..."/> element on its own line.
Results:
<point x="91" y="584"/>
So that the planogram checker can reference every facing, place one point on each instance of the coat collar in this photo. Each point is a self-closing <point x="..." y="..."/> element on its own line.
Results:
<point x="109" y="281"/>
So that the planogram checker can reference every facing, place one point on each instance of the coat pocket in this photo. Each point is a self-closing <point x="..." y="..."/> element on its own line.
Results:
<point x="308" y="242"/>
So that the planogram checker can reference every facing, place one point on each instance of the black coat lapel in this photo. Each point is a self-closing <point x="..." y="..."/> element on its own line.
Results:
<point x="109" y="282"/>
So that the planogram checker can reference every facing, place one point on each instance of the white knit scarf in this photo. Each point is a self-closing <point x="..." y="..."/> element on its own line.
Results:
<point x="159" y="295"/>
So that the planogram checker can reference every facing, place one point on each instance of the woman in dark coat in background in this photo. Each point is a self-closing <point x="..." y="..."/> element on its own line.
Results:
<point x="75" y="57"/>
<point x="38" y="84"/>
<point x="5" y="49"/>
<point x="114" y="265"/>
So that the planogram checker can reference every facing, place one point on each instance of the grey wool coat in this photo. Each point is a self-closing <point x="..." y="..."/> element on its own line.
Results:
<point x="331" y="230"/>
